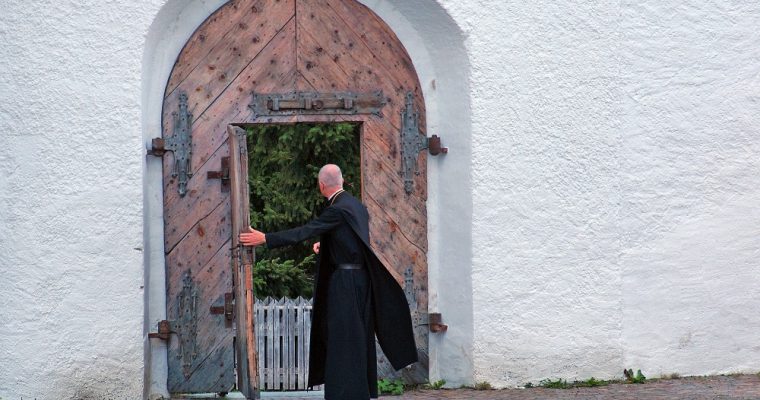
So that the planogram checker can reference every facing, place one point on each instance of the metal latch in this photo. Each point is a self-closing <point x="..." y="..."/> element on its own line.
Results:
<point x="315" y="103"/>
<point x="228" y="309"/>
<point x="223" y="174"/>
<point x="164" y="330"/>
<point x="433" y="320"/>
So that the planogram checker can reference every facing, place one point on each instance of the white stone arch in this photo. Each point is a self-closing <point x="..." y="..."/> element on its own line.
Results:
<point x="436" y="46"/>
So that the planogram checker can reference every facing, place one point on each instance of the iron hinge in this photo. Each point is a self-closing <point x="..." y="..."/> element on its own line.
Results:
<point x="412" y="142"/>
<point x="185" y="326"/>
<point x="180" y="144"/>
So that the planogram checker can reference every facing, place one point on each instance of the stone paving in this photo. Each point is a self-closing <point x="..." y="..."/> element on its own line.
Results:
<point x="744" y="387"/>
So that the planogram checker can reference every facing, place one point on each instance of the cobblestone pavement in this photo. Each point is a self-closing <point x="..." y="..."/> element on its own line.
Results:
<point x="742" y="387"/>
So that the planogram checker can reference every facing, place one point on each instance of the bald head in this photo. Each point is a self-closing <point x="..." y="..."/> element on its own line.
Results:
<point x="331" y="178"/>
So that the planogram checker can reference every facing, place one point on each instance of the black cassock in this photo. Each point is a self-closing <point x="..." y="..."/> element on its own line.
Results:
<point x="351" y="306"/>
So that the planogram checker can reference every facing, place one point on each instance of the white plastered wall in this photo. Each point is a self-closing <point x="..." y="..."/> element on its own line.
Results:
<point x="615" y="180"/>
<point x="71" y="225"/>
<point x="597" y="209"/>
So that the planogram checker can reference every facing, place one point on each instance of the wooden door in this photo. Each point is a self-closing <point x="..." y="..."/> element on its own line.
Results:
<point x="200" y="283"/>
<point x="285" y="46"/>
<point x="242" y="264"/>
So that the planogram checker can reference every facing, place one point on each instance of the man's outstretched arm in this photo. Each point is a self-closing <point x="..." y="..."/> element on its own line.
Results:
<point x="328" y="220"/>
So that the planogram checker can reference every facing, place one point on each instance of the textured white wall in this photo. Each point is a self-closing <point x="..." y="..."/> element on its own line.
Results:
<point x="71" y="155"/>
<point x="546" y="277"/>
<point x="690" y="177"/>
<point x="613" y="172"/>
<point x="616" y="162"/>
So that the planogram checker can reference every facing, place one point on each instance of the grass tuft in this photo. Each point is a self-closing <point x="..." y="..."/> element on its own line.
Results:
<point x="437" y="384"/>
<point x="483" y="386"/>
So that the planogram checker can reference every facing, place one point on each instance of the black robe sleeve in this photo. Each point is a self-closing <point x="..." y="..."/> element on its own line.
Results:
<point x="329" y="219"/>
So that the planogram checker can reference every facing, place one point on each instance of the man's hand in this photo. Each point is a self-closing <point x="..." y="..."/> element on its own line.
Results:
<point x="315" y="248"/>
<point x="252" y="238"/>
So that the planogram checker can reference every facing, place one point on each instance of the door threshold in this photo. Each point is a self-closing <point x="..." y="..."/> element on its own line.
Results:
<point x="311" y="394"/>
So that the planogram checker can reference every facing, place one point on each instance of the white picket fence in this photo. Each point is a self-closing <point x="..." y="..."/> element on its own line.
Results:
<point x="282" y="340"/>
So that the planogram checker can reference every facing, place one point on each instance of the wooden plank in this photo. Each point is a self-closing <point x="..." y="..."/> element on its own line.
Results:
<point x="282" y="365"/>
<point x="211" y="280"/>
<point x="288" y="342"/>
<point x="375" y="130"/>
<point x="277" y="354"/>
<point x="257" y="326"/>
<point x="261" y="334"/>
<point x="215" y="369"/>
<point x="241" y="43"/>
<point x="378" y="37"/>
<point x="270" y="344"/>
<point x="328" y="62"/>
<point x="203" y="40"/>
<point x="320" y="28"/>
<point x="209" y="136"/>
<point x="181" y="214"/>
<point x="253" y="357"/>
<point x="307" y="337"/>
<point x="272" y="68"/>
<point x="201" y="242"/>
<point x="325" y="72"/>
<point x="241" y="261"/>
<point x="407" y="210"/>
<point x="301" y="354"/>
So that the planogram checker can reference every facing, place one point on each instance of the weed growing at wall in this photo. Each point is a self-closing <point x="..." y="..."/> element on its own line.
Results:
<point x="637" y="378"/>
<point x="482" y="386"/>
<point x="387" y="386"/>
<point x="436" y="385"/>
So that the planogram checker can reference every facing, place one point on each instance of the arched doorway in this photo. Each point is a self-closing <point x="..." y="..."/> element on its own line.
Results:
<point x="294" y="49"/>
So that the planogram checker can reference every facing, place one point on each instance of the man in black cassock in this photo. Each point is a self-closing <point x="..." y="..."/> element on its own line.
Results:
<point x="355" y="297"/>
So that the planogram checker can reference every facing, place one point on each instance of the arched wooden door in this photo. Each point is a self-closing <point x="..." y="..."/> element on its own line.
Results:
<point x="302" y="48"/>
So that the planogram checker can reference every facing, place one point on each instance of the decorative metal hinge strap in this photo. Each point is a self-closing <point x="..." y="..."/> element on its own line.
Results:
<point x="223" y="174"/>
<point x="185" y="326"/>
<point x="315" y="103"/>
<point x="188" y="323"/>
<point x="412" y="142"/>
<point x="180" y="144"/>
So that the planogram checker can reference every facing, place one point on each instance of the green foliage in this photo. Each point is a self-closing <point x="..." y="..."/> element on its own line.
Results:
<point x="563" y="384"/>
<point x="437" y="384"/>
<point x="591" y="382"/>
<point x="638" y="378"/>
<point x="283" y="278"/>
<point x="387" y="386"/>
<point x="283" y="163"/>
<point x="558" y="384"/>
